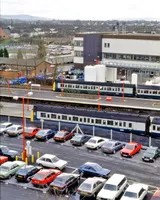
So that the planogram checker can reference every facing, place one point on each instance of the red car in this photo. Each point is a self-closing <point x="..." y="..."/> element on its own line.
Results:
<point x="156" y="195"/>
<point x="30" y="132"/>
<point x="63" y="135"/>
<point x="3" y="159"/>
<point x="131" y="149"/>
<point x="44" y="177"/>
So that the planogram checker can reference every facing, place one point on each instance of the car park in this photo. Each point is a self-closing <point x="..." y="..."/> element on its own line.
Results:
<point x="79" y="139"/>
<point x="113" y="187"/>
<point x="44" y="177"/>
<point x="64" y="182"/>
<point x="8" y="169"/>
<point x="90" y="169"/>
<point x="156" y="195"/>
<point x="91" y="186"/>
<point x="14" y="130"/>
<point x="4" y="127"/>
<point x="136" y="191"/>
<point x="5" y="151"/>
<point x="45" y="134"/>
<point x="51" y="161"/>
<point x="63" y="135"/>
<point x="130" y="149"/>
<point x="112" y="146"/>
<point x="151" y="154"/>
<point x="30" y="132"/>
<point x="25" y="173"/>
<point x="3" y="159"/>
<point x="95" y="142"/>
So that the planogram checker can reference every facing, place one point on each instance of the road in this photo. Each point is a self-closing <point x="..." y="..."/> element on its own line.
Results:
<point x="50" y="96"/>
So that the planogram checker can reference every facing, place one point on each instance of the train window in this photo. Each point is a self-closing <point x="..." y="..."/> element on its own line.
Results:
<point x="73" y="86"/>
<point x="113" y="89"/>
<point x="104" y="88"/>
<point x="109" y="122"/>
<point x="155" y="92"/>
<point x="77" y="86"/>
<point x="65" y="85"/>
<point x="69" y="118"/>
<point x="138" y="91"/>
<point x="88" y="120"/>
<point x="75" y="118"/>
<point x="158" y="128"/>
<point x="150" y="92"/>
<point x="43" y="114"/>
<point x="142" y="91"/>
<point x="130" y="125"/>
<point x="64" y="117"/>
<point x="116" y="89"/>
<point x="81" y="86"/>
<point x="80" y="119"/>
<point x="109" y="89"/>
<point x="119" y="89"/>
<point x="84" y="119"/>
<point x="88" y="87"/>
<point x="154" y="127"/>
<point x="98" y="121"/>
<point x="92" y="121"/>
<point x="48" y="115"/>
<point x="145" y="91"/>
<point x="53" y="116"/>
<point x="116" y="123"/>
<point x="85" y="87"/>
<point x="104" y="122"/>
<point x="62" y="84"/>
<point x="120" y="123"/>
<point x="92" y="87"/>
<point x="70" y="86"/>
<point x="124" y="124"/>
<point x="59" y="117"/>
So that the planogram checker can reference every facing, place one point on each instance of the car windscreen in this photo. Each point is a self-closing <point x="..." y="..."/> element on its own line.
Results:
<point x="150" y="151"/>
<point x="85" y="186"/>
<point x="108" y="145"/>
<point x="110" y="187"/>
<point x="128" y="146"/>
<point x="77" y="138"/>
<point x="5" y="149"/>
<point x="60" y="134"/>
<point x="39" y="176"/>
<point x="97" y="167"/>
<point x="12" y="129"/>
<point x="28" y="130"/>
<point x="23" y="171"/>
<point x="60" y="180"/>
<point x="93" y="141"/>
<point x="42" y="132"/>
<point x="55" y="159"/>
<point x="2" y="126"/>
<point x="4" y="168"/>
<point x="130" y="194"/>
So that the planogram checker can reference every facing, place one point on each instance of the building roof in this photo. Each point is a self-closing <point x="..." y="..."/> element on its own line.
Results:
<point x="20" y="62"/>
<point x="130" y="64"/>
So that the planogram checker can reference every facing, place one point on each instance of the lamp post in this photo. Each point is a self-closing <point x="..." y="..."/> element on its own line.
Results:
<point x="23" y="117"/>
<point x="99" y="98"/>
<point x="62" y="86"/>
<point x="28" y="84"/>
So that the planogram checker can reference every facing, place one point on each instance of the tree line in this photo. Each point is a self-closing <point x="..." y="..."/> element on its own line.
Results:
<point x="4" y="53"/>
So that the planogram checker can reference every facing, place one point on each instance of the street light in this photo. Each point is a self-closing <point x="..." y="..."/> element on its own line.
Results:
<point x="23" y="135"/>
<point x="99" y="98"/>
<point x="28" y="84"/>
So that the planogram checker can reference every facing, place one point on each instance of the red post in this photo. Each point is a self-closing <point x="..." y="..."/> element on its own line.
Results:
<point x="8" y="86"/>
<point x="23" y="135"/>
<point x="27" y="98"/>
<point x="99" y="97"/>
<point x="62" y="89"/>
<point x="123" y="91"/>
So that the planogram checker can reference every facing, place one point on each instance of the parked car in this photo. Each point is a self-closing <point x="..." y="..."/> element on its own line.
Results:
<point x="63" y="135"/>
<point x="90" y="187"/>
<point x="113" y="188"/>
<point x="131" y="149"/>
<point x="79" y="139"/>
<point x="64" y="182"/>
<point x="95" y="142"/>
<point x="136" y="191"/>
<point x="5" y="151"/>
<point x="90" y="169"/>
<point x="151" y="154"/>
<point x="8" y="169"/>
<point x="14" y="130"/>
<point x="25" y="173"/>
<point x="45" y="134"/>
<point x="4" y="127"/>
<point x="44" y="177"/>
<point x="51" y="161"/>
<point x="30" y="132"/>
<point x="112" y="146"/>
<point x="3" y="159"/>
<point x="156" y="195"/>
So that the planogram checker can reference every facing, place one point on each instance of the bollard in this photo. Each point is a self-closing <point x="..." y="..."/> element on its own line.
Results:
<point x="26" y="161"/>
<point x="22" y="156"/>
<point x="16" y="158"/>
<point x="38" y="155"/>
<point x="32" y="159"/>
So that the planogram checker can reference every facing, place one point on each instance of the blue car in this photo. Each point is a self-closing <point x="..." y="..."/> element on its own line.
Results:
<point x="90" y="169"/>
<point x="112" y="146"/>
<point x="45" y="134"/>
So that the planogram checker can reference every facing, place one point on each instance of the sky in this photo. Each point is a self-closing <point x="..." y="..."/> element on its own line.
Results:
<point x="83" y="9"/>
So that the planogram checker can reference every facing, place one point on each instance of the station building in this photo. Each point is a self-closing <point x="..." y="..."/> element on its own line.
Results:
<point x="128" y="53"/>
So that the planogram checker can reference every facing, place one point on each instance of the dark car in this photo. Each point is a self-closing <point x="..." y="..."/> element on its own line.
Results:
<point x="5" y="151"/>
<point x="79" y="139"/>
<point x="90" y="169"/>
<point x="64" y="182"/>
<point x="63" y="135"/>
<point x="45" y="134"/>
<point x="112" y="146"/>
<point x="25" y="173"/>
<point x="151" y="154"/>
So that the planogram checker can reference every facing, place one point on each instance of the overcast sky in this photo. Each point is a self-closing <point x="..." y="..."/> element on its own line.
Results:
<point x="83" y="9"/>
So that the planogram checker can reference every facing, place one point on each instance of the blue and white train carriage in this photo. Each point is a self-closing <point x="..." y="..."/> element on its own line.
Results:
<point x="123" y="122"/>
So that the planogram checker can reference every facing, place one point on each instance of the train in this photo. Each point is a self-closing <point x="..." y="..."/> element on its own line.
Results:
<point x="108" y="88"/>
<point x="144" y="125"/>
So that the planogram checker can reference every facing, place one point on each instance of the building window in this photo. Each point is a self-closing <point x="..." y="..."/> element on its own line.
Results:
<point x="78" y="53"/>
<point x="106" y="45"/>
<point x="78" y="43"/>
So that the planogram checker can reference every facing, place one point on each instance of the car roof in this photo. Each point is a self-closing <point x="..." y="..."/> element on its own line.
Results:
<point x="31" y="127"/>
<point x="48" y="155"/>
<point x="6" y="123"/>
<point x="115" y="179"/>
<point x="3" y="146"/>
<point x="97" y="138"/>
<point x="135" y="187"/>
<point x="19" y="162"/>
<point x="93" y="180"/>
<point x="157" y="193"/>
<point x="90" y="163"/>
<point x="28" y="167"/>
<point x="7" y="164"/>
<point x="152" y="148"/>
<point x="132" y="143"/>
<point x="46" y="171"/>
<point x="16" y="126"/>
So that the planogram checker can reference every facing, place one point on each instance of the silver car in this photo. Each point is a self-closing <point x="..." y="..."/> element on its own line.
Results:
<point x="4" y="127"/>
<point x="14" y="130"/>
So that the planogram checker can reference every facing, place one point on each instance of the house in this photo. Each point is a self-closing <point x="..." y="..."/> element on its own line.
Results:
<point x="4" y="34"/>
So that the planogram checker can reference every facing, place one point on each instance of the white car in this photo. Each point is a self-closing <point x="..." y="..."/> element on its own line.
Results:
<point x="95" y="142"/>
<point x="113" y="188"/>
<point x="14" y="130"/>
<point x="4" y="127"/>
<point x="136" y="191"/>
<point x="51" y="161"/>
<point x="91" y="186"/>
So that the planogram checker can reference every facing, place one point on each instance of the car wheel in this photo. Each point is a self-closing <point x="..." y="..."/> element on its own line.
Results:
<point x="10" y="176"/>
<point x="81" y="174"/>
<point x="114" y="151"/>
<point x="57" y="168"/>
<point x="28" y="179"/>
<point x="40" y="165"/>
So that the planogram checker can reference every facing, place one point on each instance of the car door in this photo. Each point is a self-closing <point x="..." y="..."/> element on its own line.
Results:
<point x="49" y="163"/>
<point x="117" y="146"/>
<point x="70" y="182"/>
<point x="100" y="142"/>
<point x="92" y="171"/>
<point x="67" y="136"/>
<point x="19" y="130"/>
<point x="14" y="168"/>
